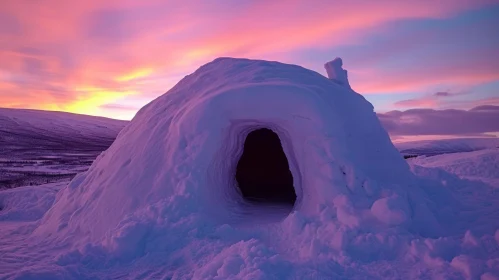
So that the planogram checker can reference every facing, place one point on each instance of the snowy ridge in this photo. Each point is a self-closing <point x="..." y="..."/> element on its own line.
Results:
<point x="480" y="165"/>
<point x="445" y="146"/>
<point x="23" y="129"/>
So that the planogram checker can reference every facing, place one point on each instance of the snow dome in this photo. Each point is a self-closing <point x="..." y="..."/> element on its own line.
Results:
<point x="243" y="141"/>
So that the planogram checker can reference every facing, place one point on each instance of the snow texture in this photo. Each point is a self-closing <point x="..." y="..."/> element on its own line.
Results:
<point x="161" y="202"/>
<point x="27" y="203"/>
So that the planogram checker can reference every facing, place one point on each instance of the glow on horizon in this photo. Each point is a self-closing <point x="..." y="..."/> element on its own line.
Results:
<point x="86" y="105"/>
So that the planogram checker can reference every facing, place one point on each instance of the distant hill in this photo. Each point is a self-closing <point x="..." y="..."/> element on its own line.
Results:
<point x="446" y="146"/>
<point x="482" y="165"/>
<point x="26" y="131"/>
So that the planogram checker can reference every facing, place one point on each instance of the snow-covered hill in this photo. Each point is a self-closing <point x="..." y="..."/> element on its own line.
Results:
<point x="446" y="146"/>
<point x="23" y="130"/>
<point x="38" y="147"/>
<point x="480" y="165"/>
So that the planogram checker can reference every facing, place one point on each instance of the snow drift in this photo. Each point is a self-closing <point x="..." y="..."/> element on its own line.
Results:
<point x="166" y="199"/>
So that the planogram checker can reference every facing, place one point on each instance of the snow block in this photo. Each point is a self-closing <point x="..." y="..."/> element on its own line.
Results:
<point x="335" y="72"/>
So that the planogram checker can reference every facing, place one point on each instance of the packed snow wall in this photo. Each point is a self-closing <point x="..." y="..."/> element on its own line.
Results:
<point x="182" y="150"/>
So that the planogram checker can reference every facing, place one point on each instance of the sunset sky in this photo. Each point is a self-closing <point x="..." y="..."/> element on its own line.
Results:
<point x="110" y="58"/>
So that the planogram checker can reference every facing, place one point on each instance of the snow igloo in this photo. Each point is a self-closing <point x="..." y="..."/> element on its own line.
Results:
<point x="237" y="140"/>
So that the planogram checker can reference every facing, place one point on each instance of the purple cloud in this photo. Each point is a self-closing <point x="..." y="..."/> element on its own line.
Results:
<point x="9" y="24"/>
<point x="477" y="121"/>
<point x="441" y="99"/>
<point x="442" y="94"/>
<point x="113" y="25"/>
<point x="486" y="108"/>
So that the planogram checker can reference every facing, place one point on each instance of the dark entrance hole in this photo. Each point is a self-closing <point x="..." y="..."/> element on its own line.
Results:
<point x="262" y="173"/>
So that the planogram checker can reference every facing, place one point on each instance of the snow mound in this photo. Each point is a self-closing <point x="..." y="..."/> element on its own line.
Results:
<point x="27" y="203"/>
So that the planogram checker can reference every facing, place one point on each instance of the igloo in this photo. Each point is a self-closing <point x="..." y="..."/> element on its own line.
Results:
<point x="311" y="144"/>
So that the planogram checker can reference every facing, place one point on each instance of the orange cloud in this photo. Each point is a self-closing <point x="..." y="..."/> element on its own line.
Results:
<point x="139" y="73"/>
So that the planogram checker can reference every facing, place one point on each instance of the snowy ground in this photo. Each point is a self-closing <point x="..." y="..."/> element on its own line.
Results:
<point x="481" y="165"/>
<point x="42" y="169"/>
<point x="446" y="146"/>
<point x="471" y="251"/>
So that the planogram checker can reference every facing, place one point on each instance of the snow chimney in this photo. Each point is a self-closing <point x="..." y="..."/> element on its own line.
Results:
<point x="335" y="72"/>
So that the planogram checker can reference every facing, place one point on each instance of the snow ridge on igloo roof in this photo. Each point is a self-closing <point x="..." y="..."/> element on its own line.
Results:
<point x="226" y="72"/>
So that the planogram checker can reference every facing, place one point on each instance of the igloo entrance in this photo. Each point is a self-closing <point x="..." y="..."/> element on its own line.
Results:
<point x="262" y="172"/>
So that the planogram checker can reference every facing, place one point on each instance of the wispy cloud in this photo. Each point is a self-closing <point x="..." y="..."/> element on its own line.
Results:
<point x="477" y="121"/>
<point x="445" y="100"/>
